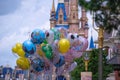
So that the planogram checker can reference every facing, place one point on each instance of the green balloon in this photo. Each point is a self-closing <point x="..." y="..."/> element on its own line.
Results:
<point x="56" y="34"/>
<point x="49" y="54"/>
<point x="44" y="49"/>
<point x="45" y="41"/>
<point x="47" y="49"/>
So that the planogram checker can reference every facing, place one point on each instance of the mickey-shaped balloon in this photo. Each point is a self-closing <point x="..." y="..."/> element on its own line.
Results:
<point x="60" y="62"/>
<point x="29" y="47"/>
<point x="23" y="63"/>
<point x="56" y="34"/>
<point x="37" y="64"/>
<point x="50" y="36"/>
<point x="38" y="36"/>
<point x="47" y="49"/>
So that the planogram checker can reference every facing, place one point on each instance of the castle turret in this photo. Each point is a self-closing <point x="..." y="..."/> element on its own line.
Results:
<point x="52" y="16"/>
<point x="83" y="18"/>
<point x="73" y="17"/>
<point x="66" y="2"/>
<point x="84" y="25"/>
<point x="86" y="28"/>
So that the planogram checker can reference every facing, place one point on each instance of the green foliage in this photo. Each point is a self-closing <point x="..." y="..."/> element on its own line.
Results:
<point x="106" y="12"/>
<point x="92" y="66"/>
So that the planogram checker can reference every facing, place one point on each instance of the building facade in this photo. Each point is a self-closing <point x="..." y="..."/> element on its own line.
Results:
<point x="66" y="16"/>
<point x="7" y="73"/>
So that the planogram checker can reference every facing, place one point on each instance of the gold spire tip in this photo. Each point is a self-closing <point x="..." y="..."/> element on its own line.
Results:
<point x="53" y="7"/>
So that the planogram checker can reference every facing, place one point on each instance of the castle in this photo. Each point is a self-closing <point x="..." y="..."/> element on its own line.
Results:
<point x="66" y="16"/>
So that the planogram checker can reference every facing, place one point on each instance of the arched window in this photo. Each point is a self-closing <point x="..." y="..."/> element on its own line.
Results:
<point x="73" y="15"/>
<point x="61" y="16"/>
<point x="60" y="21"/>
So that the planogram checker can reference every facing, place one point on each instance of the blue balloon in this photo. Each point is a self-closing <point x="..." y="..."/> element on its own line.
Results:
<point x="29" y="47"/>
<point x="60" y="77"/>
<point x="61" y="61"/>
<point x="27" y="55"/>
<point x="38" y="64"/>
<point x="38" y="36"/>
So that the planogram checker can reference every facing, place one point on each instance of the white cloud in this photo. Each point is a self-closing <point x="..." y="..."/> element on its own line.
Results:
<point x="7" y="42"/>
<point x="27" y="15"/>
<point x="6" y="45"/>
<point x="17" y="27"/>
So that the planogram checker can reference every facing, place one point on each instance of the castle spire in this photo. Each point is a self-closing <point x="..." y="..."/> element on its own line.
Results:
<point x="83" y="18"/>
<point x="91" y="46"/>
<point x="53" y="7"/>
<point x="66" y="2"/>
<point x="52" y="16"/>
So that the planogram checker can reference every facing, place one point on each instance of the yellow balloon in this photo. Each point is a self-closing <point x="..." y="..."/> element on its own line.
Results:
<point x="63" y="45"/>
<point x="42" y="44"/>
<point x="23" y="63"/>
<point x="21" y="53"/>
<point x="38" y="50"/>
<point x="18" y="45"/>
<point x="14" y="49"/>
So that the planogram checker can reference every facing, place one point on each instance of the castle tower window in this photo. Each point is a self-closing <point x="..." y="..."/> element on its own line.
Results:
<point x="60" y="16"/>
<point x="60" y="21"/>
<point x="73" y="15"/>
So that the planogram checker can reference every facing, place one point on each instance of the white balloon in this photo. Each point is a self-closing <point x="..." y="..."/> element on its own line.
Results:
<point x="71" y="37"/>
<point x="50" y="37"/>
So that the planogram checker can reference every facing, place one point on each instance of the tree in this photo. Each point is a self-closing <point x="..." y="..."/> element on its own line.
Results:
<point x="92" y="66"/>
<point x="107" y="12"/>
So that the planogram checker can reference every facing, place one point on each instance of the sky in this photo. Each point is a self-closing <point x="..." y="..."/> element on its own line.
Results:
<point x="18" y="18"/>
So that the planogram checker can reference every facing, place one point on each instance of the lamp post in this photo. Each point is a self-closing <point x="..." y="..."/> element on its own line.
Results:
<point x="100" y="46"/>
<point x="86" y="75"/>
<point x="100" y="31"/>
<point x="86" y="58"/>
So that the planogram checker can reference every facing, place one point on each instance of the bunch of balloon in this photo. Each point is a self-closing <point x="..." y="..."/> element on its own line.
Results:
<point x="50" y="48"/>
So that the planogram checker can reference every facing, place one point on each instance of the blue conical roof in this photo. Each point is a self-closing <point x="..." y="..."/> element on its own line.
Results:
<point x="91" y="43"/>
<point x="61" y="6"/>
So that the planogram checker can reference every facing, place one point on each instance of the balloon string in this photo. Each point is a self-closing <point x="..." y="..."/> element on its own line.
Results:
<point x="15" y="55"/>
<point x="62" y="36"/>
<point x="29" y="35"/>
